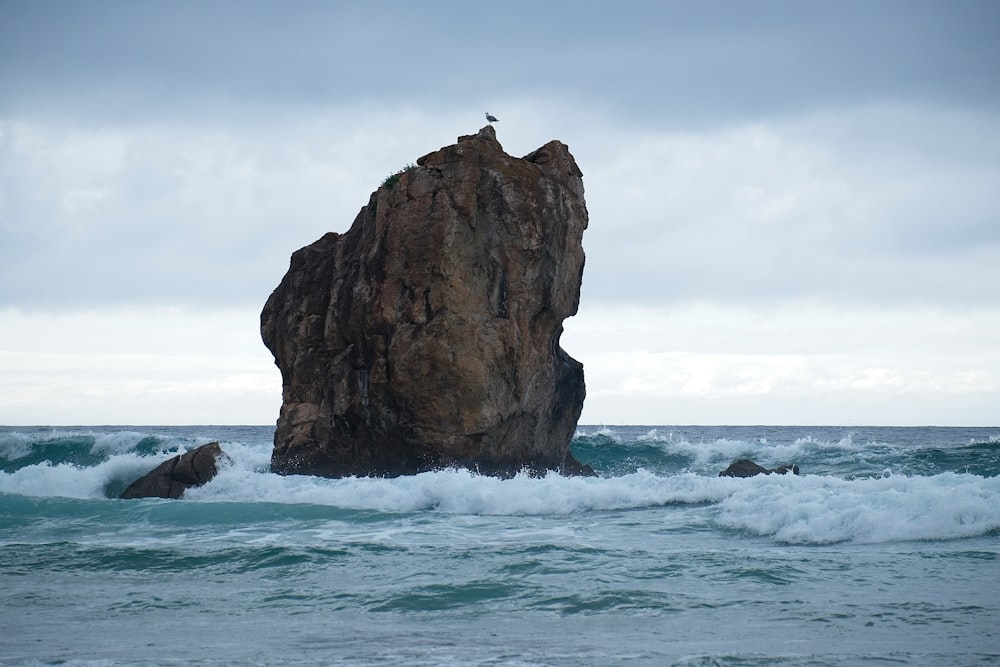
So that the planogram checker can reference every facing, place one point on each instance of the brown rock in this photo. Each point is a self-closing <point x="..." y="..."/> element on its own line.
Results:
<point x="747" y="468"/>
<point x="428" y="334"/>
<point x="172" y="477"/>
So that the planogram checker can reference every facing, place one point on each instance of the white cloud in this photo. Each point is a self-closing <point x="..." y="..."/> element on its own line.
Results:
<point x="688" y="364"/>
<point x="809" y="269"/>
<point x="801" y="208"/>
<point x="138" y="366"/>
<point x="799" y="364"/>
<point x="791" y="208"/>
<point x="781" y="229"/>
<point x="169" y="214"/>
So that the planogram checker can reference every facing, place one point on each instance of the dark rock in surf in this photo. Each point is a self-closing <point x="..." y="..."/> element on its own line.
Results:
<point x="747" y="468"/>
<point x="427" y="335"/>
<point x="172" y="477"/>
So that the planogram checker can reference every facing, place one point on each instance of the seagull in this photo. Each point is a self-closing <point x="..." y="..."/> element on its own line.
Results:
<point x="491" y="119"/>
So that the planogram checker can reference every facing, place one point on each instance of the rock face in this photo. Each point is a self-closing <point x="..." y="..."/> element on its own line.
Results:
<point x="747" y="468"/>
<point x="428" y="334"/>
<point x="172" y="477"/>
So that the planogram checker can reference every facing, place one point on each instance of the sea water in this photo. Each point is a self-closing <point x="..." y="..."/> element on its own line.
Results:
<point x="886" y="550"/>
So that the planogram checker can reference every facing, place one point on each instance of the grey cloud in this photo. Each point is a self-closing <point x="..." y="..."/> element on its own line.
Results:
<point x="651" y="62"/>
<point x="800" y="211"/>
<point x="179" y="213"/>
<point x="766" y="212"/>
<point x="609" y="75"/>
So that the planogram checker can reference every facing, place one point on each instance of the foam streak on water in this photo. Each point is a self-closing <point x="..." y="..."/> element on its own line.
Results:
<point x="885" y="550"/>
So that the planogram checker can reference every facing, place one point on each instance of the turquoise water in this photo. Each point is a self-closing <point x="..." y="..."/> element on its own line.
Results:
<point x="885" y="551"/>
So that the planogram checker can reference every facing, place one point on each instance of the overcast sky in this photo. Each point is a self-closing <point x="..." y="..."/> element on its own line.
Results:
<point x="795" y="206"/>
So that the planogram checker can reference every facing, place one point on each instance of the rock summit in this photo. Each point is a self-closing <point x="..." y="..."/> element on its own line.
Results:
<point x="427" y="336"/>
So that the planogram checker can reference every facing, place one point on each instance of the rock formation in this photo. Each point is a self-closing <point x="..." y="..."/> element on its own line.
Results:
<point x="747" y="468"/>
<point x="427" y="335"/>
<point x="172" y="477"/>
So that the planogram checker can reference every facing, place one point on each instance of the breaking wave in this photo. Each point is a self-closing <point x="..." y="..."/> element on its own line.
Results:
<point x="652" y="470"/>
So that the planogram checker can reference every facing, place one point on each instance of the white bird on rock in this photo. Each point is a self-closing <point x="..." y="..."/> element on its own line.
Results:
<point x="491" y="119"/>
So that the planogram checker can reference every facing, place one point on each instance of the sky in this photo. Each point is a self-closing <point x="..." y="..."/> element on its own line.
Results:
<point x="794" y="206"/>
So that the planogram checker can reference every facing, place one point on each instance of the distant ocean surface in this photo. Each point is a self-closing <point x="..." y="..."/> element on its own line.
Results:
<point x="885" y="551"/>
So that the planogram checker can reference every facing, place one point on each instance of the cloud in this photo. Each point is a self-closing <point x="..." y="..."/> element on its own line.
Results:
<point x="803" y="208"/>
<point x="806" y="208"/>
<point x="824" y="269"/>
<point x="137" y="365"/>
<point x="680" y="63"/>
<point x="793" y="206"/>
<point x="801" y="364"/>
<point x="174" y="214"/>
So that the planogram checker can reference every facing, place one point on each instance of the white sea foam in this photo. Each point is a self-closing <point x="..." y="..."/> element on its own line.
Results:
<point x="15" y="445"/>
<point x="786" y="508"/>
<point x="812" y="509"/>
<point x="605" y="431"/>
<point x="66" y="480"/>
<point x="712" y="452"/>
<point x="819" y="509"/>
<point x="18" y="444"/>
<point x="120" y="442"/>
<point x="463" y="492"/>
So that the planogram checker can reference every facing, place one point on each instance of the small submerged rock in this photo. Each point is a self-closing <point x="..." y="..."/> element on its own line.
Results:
<point x="747" y="468"/>
<point x="172" y="477"/>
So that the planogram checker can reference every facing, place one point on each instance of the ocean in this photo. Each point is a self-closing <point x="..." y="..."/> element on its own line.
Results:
<point x="884" y="551"/>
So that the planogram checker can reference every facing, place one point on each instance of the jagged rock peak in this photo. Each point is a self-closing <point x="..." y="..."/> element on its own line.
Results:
<point x="428" y="334"/>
